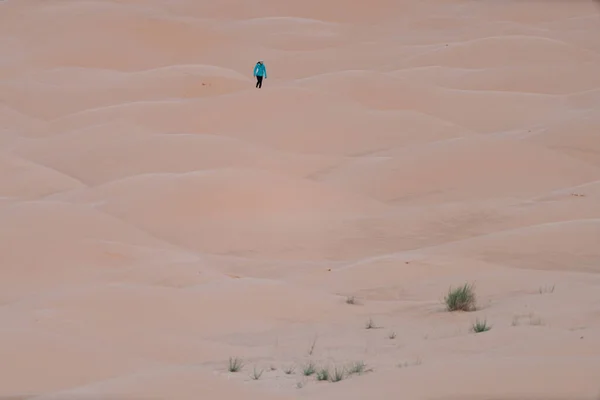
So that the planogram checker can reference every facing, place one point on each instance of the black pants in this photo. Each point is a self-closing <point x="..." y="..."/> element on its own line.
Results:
<point x="259" y="81"/>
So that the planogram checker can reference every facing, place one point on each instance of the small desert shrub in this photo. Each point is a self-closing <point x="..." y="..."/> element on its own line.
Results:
<point x="462" y="298"/>
<point x="351" y="300"/>
<point x="370" y="324"/>
<point x="256" y="374"/>
<point x="289" y="370"/>
<point x="392" y="335"/>
<point x="235" y="364"/>
<point x="323" y="374"/>
<point x="547" y="289"/>
<point x="311" y="349"/>
<point x="338" y="374"/>
<point x="309" y="369"/>
<point x="480" y="326"/>
<point x="357" y="367"/>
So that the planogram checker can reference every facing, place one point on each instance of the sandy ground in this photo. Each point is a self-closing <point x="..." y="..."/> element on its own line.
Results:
<point x="159" y="214"/>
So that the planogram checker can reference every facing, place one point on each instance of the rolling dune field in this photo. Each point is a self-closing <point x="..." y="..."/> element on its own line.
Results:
<point x="162" y="218"/>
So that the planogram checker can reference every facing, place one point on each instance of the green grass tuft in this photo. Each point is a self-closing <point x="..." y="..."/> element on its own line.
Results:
<point x="547" y="289"/>
<point x="480" y="326"/>
<point x="323" y="374"/>
<point x="338" y="374"/>
<point x="461" y="299"/>
<point x="235" y="364"/>
<point x="357" y="367"/>
<point x="256" y="374"/>
<point x="309" y="369"/>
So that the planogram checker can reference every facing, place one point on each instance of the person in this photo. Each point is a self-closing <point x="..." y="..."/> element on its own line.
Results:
<point x="260" y="72"/>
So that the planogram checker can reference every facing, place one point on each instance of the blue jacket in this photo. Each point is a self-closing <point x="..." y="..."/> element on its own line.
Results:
<point x="260" y="70"/>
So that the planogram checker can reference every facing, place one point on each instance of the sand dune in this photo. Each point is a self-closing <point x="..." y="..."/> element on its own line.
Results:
<point x="563" y="245"/>
<point x="503" y="166"/>
<point x="81" y="89"/>
<point x="291" y="33"/>
<point x="500" y="51"/>
<point x="572" y="136"/>
<point x="137" y="37"/>
<point x="223" y="210"/>
<point x="160" y="216"/>
<point x="334" y="125"/>
<point x="487" y="378"/>
<point x="133" y="150"/>
<point x="182" y="383"/>
<point x="86" y="241"/>
<point x="530" y="78"/>
<point x="28" y="347"/>
<point x="484" y="112"/>
<point x="25" y="180"/>
<point x="16" y="122"/>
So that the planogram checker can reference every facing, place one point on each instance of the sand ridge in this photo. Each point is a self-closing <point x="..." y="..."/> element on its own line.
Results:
<point x="160" y="215"/>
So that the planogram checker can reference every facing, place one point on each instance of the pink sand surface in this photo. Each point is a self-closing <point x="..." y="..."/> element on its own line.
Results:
<point x="159" y="214"/>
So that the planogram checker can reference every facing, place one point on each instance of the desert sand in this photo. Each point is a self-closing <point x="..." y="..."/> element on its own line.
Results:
<point x="160" y="215"/>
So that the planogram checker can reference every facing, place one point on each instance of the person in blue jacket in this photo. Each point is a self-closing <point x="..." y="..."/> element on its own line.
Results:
<point x="260" y="72"/>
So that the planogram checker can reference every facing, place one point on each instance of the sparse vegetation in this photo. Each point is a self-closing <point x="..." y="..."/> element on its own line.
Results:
<point x="338" y="374"/>
<point x="533" y="320"/>
<point x="408" y="363"/>
<point x="309" y="369"/>
<point x="537" y="321"/>
<point x="256" y="374"/>
<point x="335" y="374"/>
<point x="289" y="370"/>
<point x="480" y="326"/>
<point x="235" y="364"/>
<point x="357" y="367"/>
<point x="311" y="349"/>
<point x="461" y="299"/>
<point x="323" y="374"/>
<point x="370" y="324"/>
<point x="392" y="335"/>
<point x="547" y="289"/>
<point x="351" y="300"/>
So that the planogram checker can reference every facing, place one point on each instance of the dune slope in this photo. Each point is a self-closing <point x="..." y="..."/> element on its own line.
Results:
<point x="161" y="217"/>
